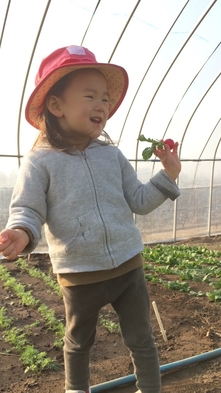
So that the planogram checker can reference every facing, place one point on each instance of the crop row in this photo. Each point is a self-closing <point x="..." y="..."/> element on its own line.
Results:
<point x="18" y="338"/>
<point x="186" y="264"/>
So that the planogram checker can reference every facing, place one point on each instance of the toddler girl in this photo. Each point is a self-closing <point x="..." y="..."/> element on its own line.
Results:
<point x="82" y="188"/>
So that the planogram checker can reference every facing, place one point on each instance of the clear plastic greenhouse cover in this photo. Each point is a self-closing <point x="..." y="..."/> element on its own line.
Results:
<point x="171" y="50"/>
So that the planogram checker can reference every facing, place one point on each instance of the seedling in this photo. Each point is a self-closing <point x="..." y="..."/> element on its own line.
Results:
<point x="111" y="326"/>
<point x="34" y="360"/>
<point x="5" y="321"/>
<point x="37" y="273"/>
<point x="27" y="299"/>
<point x="195" y="264"/>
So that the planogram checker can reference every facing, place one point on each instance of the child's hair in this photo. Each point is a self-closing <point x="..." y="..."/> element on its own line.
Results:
<point x="48" y="125"/>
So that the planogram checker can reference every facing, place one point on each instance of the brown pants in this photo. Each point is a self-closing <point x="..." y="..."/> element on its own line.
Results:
<point x="129" y="297"/>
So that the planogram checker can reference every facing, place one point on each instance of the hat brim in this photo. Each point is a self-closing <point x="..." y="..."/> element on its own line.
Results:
<point x="117" y="82"/>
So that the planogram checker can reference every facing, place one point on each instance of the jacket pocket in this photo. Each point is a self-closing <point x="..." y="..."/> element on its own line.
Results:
<point x="88" y="236"/>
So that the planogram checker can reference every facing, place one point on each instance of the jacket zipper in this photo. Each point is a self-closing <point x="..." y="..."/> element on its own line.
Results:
<point x="96" y="198"/>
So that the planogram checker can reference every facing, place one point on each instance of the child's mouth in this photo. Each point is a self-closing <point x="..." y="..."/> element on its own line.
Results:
<point x="96" y="120"/>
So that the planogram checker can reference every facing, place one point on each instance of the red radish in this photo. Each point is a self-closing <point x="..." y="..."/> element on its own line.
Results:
<point x="170" y="143"/>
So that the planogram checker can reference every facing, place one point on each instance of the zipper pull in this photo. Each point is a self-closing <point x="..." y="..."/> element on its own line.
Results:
<point x="84" y="154"/>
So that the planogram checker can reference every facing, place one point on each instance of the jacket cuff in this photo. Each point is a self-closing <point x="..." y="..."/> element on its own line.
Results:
<point x="166" y="185"/>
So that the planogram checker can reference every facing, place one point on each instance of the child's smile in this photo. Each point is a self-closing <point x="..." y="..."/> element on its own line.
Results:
<point x="96" y="120"/>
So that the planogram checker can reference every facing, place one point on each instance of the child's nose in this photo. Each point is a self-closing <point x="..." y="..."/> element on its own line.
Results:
<point x="100" y="105"/>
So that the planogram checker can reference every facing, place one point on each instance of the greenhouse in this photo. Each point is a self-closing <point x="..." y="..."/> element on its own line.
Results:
<point x="173" y="61"/>
<point x="67" y="303"/>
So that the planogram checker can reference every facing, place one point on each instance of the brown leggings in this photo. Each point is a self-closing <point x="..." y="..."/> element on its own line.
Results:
<point x="129" y="297"/>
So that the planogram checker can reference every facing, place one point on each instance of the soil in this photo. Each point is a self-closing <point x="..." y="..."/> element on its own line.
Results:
<point x="192" y="326"/>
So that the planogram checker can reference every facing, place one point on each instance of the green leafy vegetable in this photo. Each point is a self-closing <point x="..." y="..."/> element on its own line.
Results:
<point x="155" y="143"/>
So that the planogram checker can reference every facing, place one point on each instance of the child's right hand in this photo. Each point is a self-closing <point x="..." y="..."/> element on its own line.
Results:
<point x="170" y="160"/>
<point x="13" y="242"/>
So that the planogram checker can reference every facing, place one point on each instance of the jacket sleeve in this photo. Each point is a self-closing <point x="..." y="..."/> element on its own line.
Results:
<point x="166" y="185"/>
<point x="28" y="204"/>
<point x="144" y="198"/>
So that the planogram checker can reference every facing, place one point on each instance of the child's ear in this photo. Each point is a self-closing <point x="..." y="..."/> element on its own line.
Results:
<point x="53" y="105"/>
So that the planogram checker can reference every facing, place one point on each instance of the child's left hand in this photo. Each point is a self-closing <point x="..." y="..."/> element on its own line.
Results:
<point x="170" y="160"/>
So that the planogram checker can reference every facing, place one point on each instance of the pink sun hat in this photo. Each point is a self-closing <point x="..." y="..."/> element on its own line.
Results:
<point x="65" y="60"/>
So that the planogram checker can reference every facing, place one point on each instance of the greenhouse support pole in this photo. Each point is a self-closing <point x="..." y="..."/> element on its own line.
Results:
<point x="164" y="368"/>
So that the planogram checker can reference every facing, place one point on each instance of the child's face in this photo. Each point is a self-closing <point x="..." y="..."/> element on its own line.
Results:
<point x="83" y="107"/>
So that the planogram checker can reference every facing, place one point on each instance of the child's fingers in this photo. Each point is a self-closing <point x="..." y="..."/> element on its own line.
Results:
<point x="175" y="147"/>
<point x="9" y="252"/>
<point x="3" y="238"/>
<point x="5" y="243"/>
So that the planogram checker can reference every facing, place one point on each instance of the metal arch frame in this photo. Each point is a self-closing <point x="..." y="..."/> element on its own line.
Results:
<point x="26" y="78"/>
<point x="197" y="106"/>
<point x="33" y="52"/>
<point x="4" y="23"/>
<point x="156" y="91"/>
<point x="211" y="185"/>
<point x="212" y="173"/>
<point x="209" y="138"/>
<point x="152" y="61"/>
<point x="94" y="12"/>
<point x="32" y="55"/>
<point x="171" y="65"/>
<point x="190" y="119"/>
<point x="201" y="68"/>
<point x="118" y="41"/>
<point x="123" y="31"/>
<point x="199" y="158"/>
<point x="131" y="15"/>
<point x="29" y="66"/>
<point x="161" y="82"/>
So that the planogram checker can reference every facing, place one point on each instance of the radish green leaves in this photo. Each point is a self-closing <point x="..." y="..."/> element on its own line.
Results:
<point x="155" y="144"/>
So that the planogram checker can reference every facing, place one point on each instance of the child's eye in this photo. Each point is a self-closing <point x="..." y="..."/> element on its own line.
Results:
<point x="105" y="100"/>
<point x="89" y="97"/>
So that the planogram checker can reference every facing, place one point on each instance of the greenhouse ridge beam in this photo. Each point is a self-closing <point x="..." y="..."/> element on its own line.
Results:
<point x="139" y="160"/>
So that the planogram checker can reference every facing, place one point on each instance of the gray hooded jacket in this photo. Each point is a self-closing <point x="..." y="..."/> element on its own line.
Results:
<point x="86" y="201"/>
